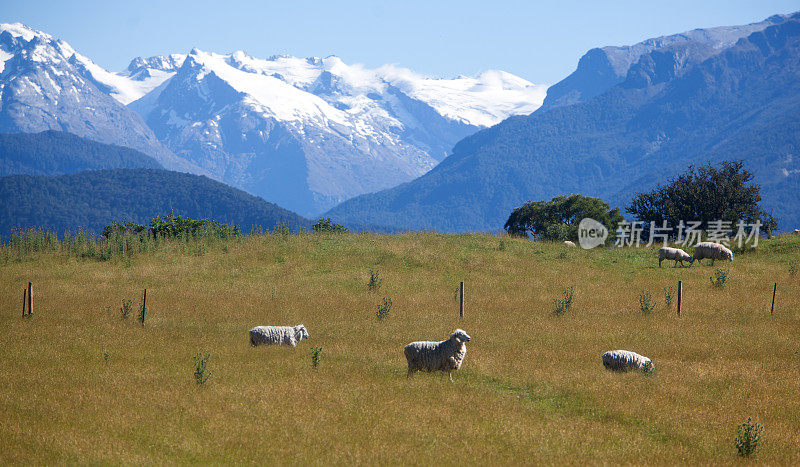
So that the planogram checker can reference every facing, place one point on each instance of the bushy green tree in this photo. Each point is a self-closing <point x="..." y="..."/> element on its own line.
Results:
<point x="705" y="193"/>
<point x="327" y="225"/>
<point x="558" y="218"/>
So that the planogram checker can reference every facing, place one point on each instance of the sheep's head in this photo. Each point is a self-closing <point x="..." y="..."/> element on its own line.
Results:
<point x="460" y="336"/>
<point x="301" y="331"/>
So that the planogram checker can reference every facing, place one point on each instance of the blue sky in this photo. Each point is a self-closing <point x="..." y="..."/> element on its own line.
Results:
<point x="540" y="41"/>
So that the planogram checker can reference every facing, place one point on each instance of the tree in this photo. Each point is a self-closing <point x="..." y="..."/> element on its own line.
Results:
<point x="558" y="219"/>
<point x="705" y="194"/>
<point x="327" y="225"/>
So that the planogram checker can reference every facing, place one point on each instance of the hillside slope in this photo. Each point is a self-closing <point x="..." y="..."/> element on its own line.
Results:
<point x="58" y="153"/>
<point x="94" y="199"/>
<point x="678" y="105"/>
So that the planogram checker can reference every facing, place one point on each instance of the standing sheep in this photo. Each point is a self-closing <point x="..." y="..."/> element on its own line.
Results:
<point x="625" y="360"/>
<point x="278" y="335"/>
<point x="712" y="251"/>
<point x="674" y="254"/>
<point x="446" y="355"/>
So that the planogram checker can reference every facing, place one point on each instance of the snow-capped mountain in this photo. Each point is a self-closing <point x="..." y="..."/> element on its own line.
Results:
<point x="43" y="86"/>
<point x="310" y="133"/>
<point x="303" y="133"/>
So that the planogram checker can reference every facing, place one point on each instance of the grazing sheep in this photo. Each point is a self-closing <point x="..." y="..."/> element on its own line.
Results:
<point x="673" y="253"/>
<point x="625" y="360"/>
<point x="712" y="251"/>
<point x="446" y="355"/>
<point x="278" y="335"/>
<point x="796" y="232"/>
<point x="569" y="243"/>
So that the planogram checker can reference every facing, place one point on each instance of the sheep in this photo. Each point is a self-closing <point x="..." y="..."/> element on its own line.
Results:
<point x="569" y="243"/>
<point x="673" y="253"/>
<point x="278" y="335"/>
<point x="446" y="355"/>
<point x="625" y="360"/>
<point x="711" y="251"/>
<point x="796" y="232"/>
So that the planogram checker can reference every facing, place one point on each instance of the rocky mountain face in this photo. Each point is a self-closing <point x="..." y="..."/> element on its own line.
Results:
<point x="44" y="86"/>
<point x="680" y="103"/>
<point x="601" y="68"/>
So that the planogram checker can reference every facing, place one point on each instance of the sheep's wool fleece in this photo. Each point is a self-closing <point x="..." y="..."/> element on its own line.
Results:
<point x="446" y="355"/>
<point x="711" y="250"/>
<point x="274" y="335"/>
<point x="624" y="360"/>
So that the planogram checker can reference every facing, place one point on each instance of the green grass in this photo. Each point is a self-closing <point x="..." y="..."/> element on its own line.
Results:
<point x="532" y="388"/>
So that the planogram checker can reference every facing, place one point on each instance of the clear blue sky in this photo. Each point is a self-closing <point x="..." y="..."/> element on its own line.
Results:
<point x="540" y="41"/>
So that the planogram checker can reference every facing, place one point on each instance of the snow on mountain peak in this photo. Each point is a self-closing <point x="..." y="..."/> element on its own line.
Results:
<point x="21" y="31"/>
<point x="483" y="100"/>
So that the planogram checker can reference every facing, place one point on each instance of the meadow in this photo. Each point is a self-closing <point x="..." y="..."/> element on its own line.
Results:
<point x="80" y="384"/>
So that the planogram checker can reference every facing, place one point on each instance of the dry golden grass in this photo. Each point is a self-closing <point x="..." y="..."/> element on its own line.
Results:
<point x="532" y="389"/>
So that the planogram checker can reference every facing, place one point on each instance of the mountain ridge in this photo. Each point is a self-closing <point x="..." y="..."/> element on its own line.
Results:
<point x="740" y="103"/>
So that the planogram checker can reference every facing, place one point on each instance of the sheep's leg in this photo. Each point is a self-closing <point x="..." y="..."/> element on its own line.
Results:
<point x="676" y="264"/>
<point x="659" y="261"/>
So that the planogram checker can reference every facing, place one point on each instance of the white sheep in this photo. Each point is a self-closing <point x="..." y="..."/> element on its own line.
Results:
<point x="625" y="360"/>
<point x="796" y="232"/>
<point x="674" y="254"/>
<point x="712" y="251"/>
<point x="569" y="243"/>
<point x="278" y="335"/>
<point x="446" y="355"/>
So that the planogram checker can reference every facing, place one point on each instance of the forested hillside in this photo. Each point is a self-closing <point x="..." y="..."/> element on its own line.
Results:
<point x="94" y="199"/>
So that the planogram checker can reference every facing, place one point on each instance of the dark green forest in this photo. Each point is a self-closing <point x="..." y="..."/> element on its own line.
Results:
<point x="58" y="153"/>
<point x="95" y="199"/>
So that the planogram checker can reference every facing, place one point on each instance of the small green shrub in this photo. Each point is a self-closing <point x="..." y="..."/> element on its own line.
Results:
<point x="792" y="267"/>
<point x="106" y="356"/>
<point x="748" y="437"/>
<point x="560" y="306"/>
<point x="327" y="225"/>
<point x="126" y="308"/>
<point x="375" y="280"/>
<point x="648" y="368"/>
<point x="646" y="303"/>
<point x="502" y="246"/>
<point x="668" y="292"/>
<point x="720" y="276"/>
<point x="384" y="309"/>
<point x="201" y="371"/>
<point x="316" y="356"/>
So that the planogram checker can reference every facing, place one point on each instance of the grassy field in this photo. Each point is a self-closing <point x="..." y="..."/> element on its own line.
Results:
<point x="80" y="384"/>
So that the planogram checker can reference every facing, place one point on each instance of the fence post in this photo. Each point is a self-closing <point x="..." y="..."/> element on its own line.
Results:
<point x="461" y="300"/>
<point x="680" y="294"/>
<point x="30" y="298"/>
<point x="144" y="305"/>
<point x="774" y="289"/>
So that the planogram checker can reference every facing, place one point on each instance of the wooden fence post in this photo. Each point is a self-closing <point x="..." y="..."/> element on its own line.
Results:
<point x="774" y="289"/>
<point x="680" y="295"/>
<point x="144" y="305"/>
<point x="30" y="298"/>
<point x="461" y="300"/>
